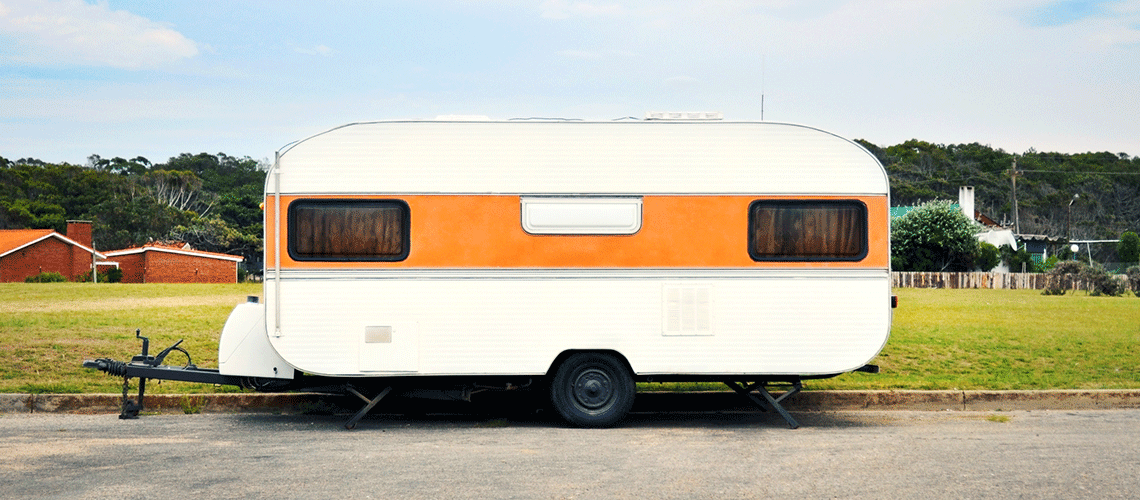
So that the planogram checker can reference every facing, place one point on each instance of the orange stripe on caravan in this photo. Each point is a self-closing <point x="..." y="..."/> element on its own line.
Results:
<point x="485" y="231"/>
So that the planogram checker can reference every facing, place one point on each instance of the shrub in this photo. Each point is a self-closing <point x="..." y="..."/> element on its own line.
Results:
<point x="1015" y="259"/>
<point x="1050" y="263"/>
<point x="1100" y="282"/>
<point x="1129" y="247"/>
<point x="112" y="275"/>
<point x="46" y="278"/>
<point x="1062" y="276"/>
<point x="936" y="237"/>
<point x="988" y="256"/>
<point x="1133" y="275"/>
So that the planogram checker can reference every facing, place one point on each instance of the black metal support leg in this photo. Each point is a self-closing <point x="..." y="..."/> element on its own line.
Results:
<point x="351" y="424"/>
<point x="129" y="409"/>
<point x="769" y="401"/>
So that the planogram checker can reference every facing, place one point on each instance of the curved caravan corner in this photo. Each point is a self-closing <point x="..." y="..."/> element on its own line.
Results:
<point x="704" y="250"/>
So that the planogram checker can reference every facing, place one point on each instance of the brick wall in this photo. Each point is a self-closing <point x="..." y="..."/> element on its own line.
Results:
<point x="132" y="266"/>
<point x="49" y="256"/>
<point x="164" y="267"/>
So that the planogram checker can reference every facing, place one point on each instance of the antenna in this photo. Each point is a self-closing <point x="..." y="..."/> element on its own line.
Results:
<point x="762" y="69"/>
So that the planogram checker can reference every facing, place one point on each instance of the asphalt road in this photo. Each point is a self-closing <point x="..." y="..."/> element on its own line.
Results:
<point x="863" y="454"/>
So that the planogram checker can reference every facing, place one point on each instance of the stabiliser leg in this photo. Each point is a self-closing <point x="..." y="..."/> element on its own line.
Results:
<point x="130" y="409"/>
<point x="351" y="424"/>
<point x="769" y="401"/>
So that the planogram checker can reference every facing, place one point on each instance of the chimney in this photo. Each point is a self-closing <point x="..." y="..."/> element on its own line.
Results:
<point x="80" y="232"/>
<point x="966" y="200"/>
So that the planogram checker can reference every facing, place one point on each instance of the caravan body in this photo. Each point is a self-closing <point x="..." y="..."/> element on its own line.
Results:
<point x="684" y="249"/>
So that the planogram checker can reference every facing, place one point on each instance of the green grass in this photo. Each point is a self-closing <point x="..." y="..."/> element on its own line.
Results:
<point x="1006" y="339"/>
<point x="942" y="339"/>
<point x="48" y="329"/>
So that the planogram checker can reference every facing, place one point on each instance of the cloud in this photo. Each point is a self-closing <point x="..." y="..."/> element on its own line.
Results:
<point x="75" y="33"/>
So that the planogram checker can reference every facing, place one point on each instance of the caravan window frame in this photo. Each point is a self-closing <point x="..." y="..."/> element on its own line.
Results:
<point x="402" y="226"/>
<point x="860" y="226"/>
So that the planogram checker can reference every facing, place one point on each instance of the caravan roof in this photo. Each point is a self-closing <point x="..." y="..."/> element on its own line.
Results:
<point x="568" y="157"/>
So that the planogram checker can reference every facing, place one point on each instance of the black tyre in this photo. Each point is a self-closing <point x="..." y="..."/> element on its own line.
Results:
<point x="592" y="390"/>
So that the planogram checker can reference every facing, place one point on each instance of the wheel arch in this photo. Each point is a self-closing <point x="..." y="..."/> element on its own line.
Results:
<point x="562" y="356"/>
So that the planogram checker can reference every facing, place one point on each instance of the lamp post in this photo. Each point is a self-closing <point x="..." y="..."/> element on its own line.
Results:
<point x="1069" y="217"/>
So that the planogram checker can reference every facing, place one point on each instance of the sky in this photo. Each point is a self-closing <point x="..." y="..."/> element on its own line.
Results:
<point x="129" y="78"/>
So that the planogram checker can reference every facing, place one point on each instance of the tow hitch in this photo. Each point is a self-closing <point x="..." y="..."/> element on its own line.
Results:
<point x="144" y="366"/>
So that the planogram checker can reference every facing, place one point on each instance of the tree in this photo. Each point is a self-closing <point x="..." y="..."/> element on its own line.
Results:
<point x="988" y="256"/>
<point x="936" y="236"/>
<point x="213" y="234"/>
<point x="1129" y="247"/>
<point x="179" y="189"/>
<point x="1017" y="259"/>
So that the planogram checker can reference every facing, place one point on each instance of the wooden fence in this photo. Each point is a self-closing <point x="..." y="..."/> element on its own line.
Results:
<point x="1034" y="281"/>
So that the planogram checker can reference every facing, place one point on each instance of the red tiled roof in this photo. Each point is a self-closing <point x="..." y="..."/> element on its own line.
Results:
<point x="15" y="239"/>
<point x="172" y="249"/>
<point x="12" y="239"/>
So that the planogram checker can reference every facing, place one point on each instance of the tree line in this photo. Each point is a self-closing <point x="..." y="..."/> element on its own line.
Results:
<point x="1072" y="197"/>
<point x="212" y="201"/>
<point x="1106" y="185"/>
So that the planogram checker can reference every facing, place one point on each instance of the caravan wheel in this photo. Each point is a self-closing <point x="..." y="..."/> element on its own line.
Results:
<point x="592" y="390"/>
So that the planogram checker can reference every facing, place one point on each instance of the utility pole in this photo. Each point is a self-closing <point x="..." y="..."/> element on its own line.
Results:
<point x="1013" y="173"/>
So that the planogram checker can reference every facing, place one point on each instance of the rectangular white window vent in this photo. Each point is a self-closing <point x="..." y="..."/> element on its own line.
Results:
<point x="584" y="215"/>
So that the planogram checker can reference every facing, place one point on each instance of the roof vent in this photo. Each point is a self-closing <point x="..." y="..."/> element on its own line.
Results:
<point x="684" y="115"/>
<point x="462" y="118"/>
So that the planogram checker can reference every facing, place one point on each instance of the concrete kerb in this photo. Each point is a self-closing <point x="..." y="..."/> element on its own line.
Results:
<point x="646" y="401"/>
<point x="161" y="403"/>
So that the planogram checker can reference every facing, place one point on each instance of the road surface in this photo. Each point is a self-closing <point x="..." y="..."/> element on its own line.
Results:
<point x="863" y="454"/>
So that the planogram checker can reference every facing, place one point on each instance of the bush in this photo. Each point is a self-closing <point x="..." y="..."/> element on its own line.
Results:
<point x="46" y="278"/>
<point x="988" y="257"/>
<point x="1050" y="263"/>
<point x="112" y="275"/>
<point x="1097" y="281"/>
<point x="1133" y="274"/>
<point x="1016" y="259"/>
<point x="1100" y="282"/>
<point x="934" y="237"/>
<point x="1061" y="277"/>
<point x="1129" y="248"/>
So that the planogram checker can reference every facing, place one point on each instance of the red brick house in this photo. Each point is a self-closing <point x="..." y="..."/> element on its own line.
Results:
<point x="160" y="263"/>
<point x="28" y="252"/>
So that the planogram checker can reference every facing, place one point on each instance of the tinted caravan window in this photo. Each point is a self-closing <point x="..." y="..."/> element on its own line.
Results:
<point x="340" y="230"/>
<point x="807" y="230"/>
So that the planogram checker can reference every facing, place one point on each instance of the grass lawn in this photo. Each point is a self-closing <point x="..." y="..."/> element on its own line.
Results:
<point x="942" y="339"/>
<point x="1006" y="339"/>
<point x="48" y="329"/>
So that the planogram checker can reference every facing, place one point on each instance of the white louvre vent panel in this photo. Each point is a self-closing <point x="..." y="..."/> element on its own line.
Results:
<point x="688" y="310"/>
<point x="649" y="157"/>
